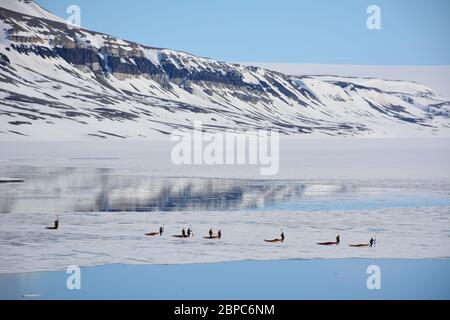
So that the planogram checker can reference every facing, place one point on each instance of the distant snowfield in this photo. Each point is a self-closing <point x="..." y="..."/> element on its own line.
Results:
<point x="300" y="159"/>
<point x="436" y="77"/>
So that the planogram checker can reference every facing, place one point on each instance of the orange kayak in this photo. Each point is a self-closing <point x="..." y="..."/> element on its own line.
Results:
<point x="273" y="240"/>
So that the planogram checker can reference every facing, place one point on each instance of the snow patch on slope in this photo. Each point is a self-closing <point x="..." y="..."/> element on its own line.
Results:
<point x="29" y="8"/>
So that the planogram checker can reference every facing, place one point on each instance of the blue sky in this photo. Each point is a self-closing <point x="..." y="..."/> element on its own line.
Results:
<point x="414" y="32"/>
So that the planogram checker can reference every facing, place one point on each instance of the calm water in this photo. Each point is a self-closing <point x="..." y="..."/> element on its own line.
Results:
<point x="105" y="214"/>
<point x="288" y="279"/>
<point x="58" y="190"/>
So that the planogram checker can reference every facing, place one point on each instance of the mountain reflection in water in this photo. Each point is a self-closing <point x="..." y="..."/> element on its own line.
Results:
<point x="108" y="190"/>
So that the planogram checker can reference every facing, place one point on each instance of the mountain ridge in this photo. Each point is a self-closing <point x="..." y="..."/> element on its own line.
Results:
<point x="74" y="83"/>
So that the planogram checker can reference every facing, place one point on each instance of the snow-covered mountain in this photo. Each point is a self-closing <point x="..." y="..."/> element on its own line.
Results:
<point x="59" y="82"/>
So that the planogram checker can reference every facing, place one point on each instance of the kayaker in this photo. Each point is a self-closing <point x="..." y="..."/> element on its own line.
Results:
<point x="55" y="225"/>
<point x="210" y="233"/>
<point x="282" y="236"/>
<point x="189" y="232"/>
<point x="161" y="230"/>
<point x="183" y="233"/>
<point x="338" y="239"/>
<point x="219" y="234"/>
<point x="372" y="242"/>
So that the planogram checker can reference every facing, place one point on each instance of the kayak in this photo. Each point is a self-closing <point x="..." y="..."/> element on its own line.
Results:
<point x="212" y="237"/>
<point x="273" y="240"/>
<point x="6" y="180"/>
<point x="359" y="245"/>
<point x="152" y="234"/>
<point x="180" y="236"/>
<point x="327" y="243"/>
<point x="51" y="228"/>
